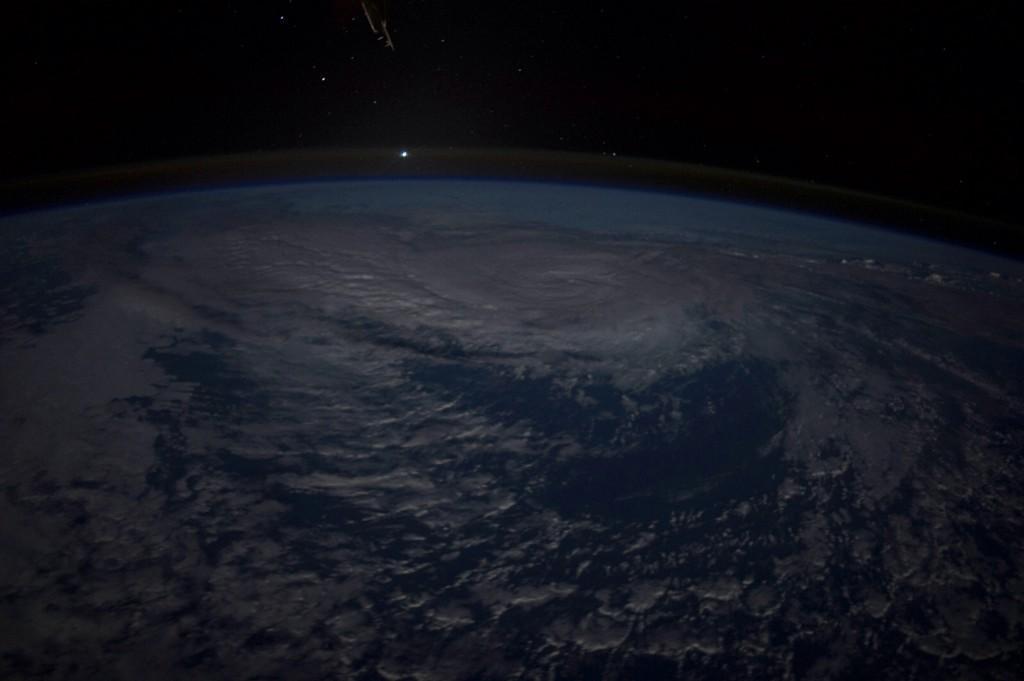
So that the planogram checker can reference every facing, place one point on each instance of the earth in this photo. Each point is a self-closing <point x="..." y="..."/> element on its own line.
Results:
<point x="440" y="429"/>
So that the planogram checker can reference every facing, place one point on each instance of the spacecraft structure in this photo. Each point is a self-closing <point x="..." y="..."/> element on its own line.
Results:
<point x="376" y="15"/>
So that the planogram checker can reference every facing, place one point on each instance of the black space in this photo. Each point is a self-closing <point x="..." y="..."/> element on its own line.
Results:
<point x="915" y="100"/>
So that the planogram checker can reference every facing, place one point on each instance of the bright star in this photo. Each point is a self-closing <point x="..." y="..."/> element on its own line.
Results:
<point x="403" y="153"/>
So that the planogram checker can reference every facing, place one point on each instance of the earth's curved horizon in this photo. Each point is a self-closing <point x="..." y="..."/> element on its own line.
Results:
<point x="512" y="164"/>
<point x="440" y="429"/>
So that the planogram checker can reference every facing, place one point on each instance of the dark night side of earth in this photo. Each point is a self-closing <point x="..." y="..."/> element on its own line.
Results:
<point x="455" y="429"/>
